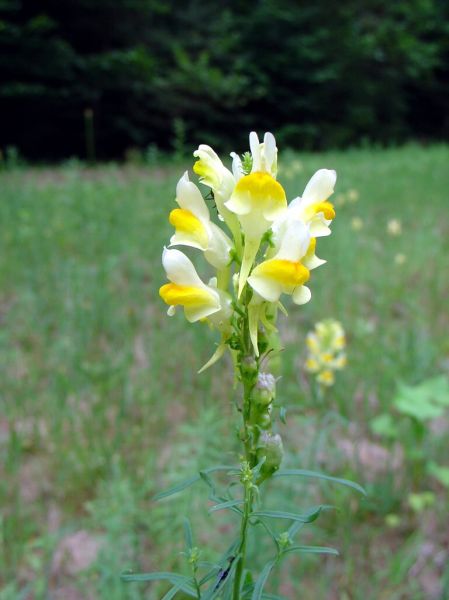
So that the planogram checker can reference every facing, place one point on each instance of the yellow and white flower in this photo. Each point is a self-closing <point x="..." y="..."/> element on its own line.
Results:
<point x="257" y="200"/>
<point x="194" y="228"/>
<point x="215" y="175"/>
<point x="186" y="288"/>
<point x="285" y="273"/>
<point x="314" y="207"/>
<point x="288" y="219"/>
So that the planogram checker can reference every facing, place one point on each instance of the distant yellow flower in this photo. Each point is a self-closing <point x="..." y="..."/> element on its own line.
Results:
<point x="353" y="195"/>
<point x="394" y="227"/>
<point x="400" y="259"/>
<point x="325" y="345"/>
<point x="356" y="223"/>
<point x="340" y="200"/>
<point x="326" y="377"/>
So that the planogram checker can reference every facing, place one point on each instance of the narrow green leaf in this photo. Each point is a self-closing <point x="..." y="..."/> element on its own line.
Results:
<point x="188" y="534"/>
<point x="316" y="475"/>
<point x="172" y="593"/>
<point x="311" y="550"/>
<point x="210" y="574"/>
<point x="174" y="578"/>
<point x="262" y="579"/>
<point x="307" y="517"/>
<point x="216" y="588"/>
<point x="188" y="482"/>
<point x="224" y="505"/>
<point x="177" y="488"/>
<point x="269" y="531"/>
<point x="222" y="560"/>
<point x="294" y="528"/>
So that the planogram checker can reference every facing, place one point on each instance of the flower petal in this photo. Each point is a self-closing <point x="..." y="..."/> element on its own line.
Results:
<point x="190" y="230"/>
<point x="320" y="186"/>
<point x="189" y="197"/>
<point x="180" y="269"/>
<point x="254" y="146"/>
<point x="302" y="295"/>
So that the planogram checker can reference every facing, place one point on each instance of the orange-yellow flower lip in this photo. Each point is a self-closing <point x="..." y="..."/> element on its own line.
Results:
<point x="286" y="272"/>
<point x="261" y="187"/>
<point x="185" y="295"/>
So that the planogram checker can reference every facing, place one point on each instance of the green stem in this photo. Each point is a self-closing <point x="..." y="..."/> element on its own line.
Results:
<point x="248" y="504"/>
<point x="249" y="443"/>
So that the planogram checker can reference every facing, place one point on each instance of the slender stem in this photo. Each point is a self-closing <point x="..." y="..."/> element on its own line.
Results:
<point x="250" y="452"/>
<point x="243" y="537"/>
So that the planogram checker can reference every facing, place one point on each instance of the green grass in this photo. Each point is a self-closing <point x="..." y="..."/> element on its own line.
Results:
<point x="101" y="404"/>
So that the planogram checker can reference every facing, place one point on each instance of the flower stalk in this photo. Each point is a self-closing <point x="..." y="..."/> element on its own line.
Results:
<point x="261" y="248"/>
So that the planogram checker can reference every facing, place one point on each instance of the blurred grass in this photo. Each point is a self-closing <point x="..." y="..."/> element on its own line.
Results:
<point x="101" y="403"/>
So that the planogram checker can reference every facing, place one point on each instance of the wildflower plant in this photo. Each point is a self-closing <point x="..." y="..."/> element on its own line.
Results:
<point x="260" y="249"/>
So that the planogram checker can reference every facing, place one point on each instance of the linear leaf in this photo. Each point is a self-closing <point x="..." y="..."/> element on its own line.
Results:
<point x="307" y="517"/>
<point x="188" y="482"/>
<point x="262" y="579"/>
<point x="317" y="475"/>
<point x="223" y="505"/>
<point x="172" y="592"/>
<point x="294" y="528"/>
<point x="222" y="560"/>
<point x="188" y="534"/>
<point x="216" y="588"/>
<point x="311" y="550"/>
<point x="174" y="578"/>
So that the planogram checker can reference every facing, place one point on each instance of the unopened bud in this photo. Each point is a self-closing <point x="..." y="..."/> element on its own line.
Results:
<point x="265" y="389"/>
<point x="270" y="447"/>
<point x="248" y="367"/>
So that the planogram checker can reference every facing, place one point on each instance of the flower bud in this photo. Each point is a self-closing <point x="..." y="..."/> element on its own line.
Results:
<point x="248" y="367"/>
<point x="265" y="389"/>
<point x="264" y="419"/>
<point x="270" y="447"/>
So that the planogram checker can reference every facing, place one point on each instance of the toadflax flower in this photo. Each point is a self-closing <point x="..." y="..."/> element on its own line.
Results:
<point x="325" y="347"/>
<point x="254" y="240"/>
<point x="313" y="206"/>
<point x="257" y="200"/>
<point x="186" y="288"/>
<point x="194" y="227"/>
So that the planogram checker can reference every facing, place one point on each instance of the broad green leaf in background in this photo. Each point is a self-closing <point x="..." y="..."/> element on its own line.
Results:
<point x="427" y="400"/>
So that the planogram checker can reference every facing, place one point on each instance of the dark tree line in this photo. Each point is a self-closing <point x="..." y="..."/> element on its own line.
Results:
<point x="318" y="73"/>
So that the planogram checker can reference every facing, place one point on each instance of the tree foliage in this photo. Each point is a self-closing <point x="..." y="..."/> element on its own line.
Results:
<point x="317" y="74"/>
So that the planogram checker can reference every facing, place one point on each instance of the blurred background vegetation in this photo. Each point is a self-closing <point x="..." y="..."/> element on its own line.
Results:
<point x="157" y="73"/>
<point x="101" y="404"/>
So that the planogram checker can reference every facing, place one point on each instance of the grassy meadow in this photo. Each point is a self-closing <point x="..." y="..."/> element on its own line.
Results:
<point x="101" y="405"/>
